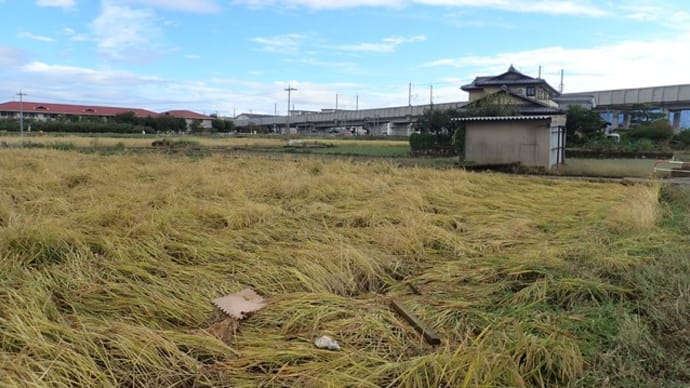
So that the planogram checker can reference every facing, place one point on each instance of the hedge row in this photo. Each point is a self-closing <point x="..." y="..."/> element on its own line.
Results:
<point x="426" y="141"/>
<point x="80" y="127"/>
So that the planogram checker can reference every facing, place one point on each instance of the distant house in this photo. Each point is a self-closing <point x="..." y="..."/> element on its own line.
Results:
<point x="192" y="119"/>
<point x="44" y="111"/>
<point x="514" y="82"/>
<point x="532" y="133"/>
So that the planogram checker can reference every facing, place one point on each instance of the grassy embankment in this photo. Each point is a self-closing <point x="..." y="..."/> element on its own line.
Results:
<point x="608" y="167"/>
<point x="108" y="265"/>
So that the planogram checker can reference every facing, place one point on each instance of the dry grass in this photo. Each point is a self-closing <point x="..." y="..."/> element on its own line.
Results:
<point x="134" y="141"/>
<point x="609" y="167"/>
<point x="108" y="265"/>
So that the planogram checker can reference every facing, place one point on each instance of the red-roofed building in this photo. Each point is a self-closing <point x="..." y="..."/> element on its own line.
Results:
<point x="45" y="111"/>
<point x="192" y="118"/>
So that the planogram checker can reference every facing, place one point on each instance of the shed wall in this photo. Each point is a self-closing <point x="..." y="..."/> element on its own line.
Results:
<point x="503" y="142"/>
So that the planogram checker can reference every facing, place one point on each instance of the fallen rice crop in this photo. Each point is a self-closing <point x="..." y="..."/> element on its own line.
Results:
<point x="108" y="265"/>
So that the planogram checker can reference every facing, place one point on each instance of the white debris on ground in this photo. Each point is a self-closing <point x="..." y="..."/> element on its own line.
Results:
<point x="326" y="342"/>
<point x="240" y="304"/>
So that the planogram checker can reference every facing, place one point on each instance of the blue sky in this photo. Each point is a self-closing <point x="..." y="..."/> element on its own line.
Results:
<point x="226" y="56"/>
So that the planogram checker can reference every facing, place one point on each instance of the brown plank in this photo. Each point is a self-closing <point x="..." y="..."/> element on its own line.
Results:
<point x="414" y="289"/>
<point x="429" y="335"/>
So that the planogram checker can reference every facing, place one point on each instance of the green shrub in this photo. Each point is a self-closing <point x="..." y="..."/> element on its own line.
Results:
<point x="429" y="141"/>
<point x="83" y="127"/>
<point x="682" y="139"/>
<point x="181" y="143"/>
<point x="657" y="131"/>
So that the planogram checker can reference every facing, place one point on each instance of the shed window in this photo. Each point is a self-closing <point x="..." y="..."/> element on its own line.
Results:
<point x="531" y="91"/>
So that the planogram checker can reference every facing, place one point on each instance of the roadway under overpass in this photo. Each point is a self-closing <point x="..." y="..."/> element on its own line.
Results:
<point x="671" y="99"/>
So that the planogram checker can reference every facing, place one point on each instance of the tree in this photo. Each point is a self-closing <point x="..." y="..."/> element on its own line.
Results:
<point x="437" y="121"/>
<point x="126" y="118"/>
<point x="643" y="113"/>
<point x="221" y="125"/>
<point x="659" y="131"/>
<point x="583" y="125"/>
<point x="497" y="104"/>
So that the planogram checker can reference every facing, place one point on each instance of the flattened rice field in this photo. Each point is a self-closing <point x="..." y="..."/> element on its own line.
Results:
<point x="108" y="265"/>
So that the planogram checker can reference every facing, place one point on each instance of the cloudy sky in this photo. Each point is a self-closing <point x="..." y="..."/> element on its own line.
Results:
<point x="232" y="56"/>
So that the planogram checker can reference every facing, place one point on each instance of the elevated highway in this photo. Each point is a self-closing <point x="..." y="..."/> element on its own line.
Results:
<point x="398" y="121"/>
<point x="671" y="99"/>
<point x="394" y="121"/>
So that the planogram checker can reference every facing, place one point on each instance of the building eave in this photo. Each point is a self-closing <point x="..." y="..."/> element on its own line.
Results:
<point x="504" y="118"/>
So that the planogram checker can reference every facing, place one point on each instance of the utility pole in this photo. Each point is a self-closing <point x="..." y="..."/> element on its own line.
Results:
<point x="21" y="112"/>
<point x="336" y="101"/>
<point x="289" y="89"/>
<point x="409" y="94"/>
<point x="562" y="73"/>
<point x="357" y="102"/>
<point x="275" y="109"/>
<point x="431" y="94"/>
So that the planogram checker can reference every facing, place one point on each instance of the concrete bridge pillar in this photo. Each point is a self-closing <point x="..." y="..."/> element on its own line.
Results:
<point x="614" y="119"/>
<point x="676" y="119"/>
<point x="626" y="119"/>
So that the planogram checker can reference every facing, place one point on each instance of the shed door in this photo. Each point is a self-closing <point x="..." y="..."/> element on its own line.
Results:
<point x="557" y="147"/>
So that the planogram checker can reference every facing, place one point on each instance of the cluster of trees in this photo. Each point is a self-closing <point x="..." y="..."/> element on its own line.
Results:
<point x="126" y="122"/>
<point x="648" y="129"/>
<point x="221" y="125"/>
<point x="162" y="123"/>
<point x="583" y="125"/>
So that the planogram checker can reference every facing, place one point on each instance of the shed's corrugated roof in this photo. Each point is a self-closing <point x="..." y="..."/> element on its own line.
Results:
<point x="502" y="118"/>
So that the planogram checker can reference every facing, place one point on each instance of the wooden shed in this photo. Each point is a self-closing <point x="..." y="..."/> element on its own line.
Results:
<point x="532" y="141"/>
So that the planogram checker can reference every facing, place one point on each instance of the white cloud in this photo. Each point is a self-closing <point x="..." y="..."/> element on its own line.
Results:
<point x="624" y="64"/>
<point x="319" y="4"/>
<point x="555" y="7"/>
<point x="73" y="35"/>
<point x="196" y="6"/>
<point x="40" y="38"/>
<point x="285" y="44"/>
<point x="83" y="75"/>
<point x="125" y="33"/>
<point x="387" y="45"/>
<point x="55" y="3"/>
